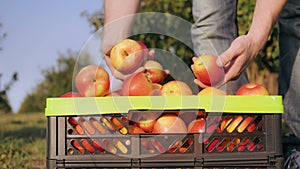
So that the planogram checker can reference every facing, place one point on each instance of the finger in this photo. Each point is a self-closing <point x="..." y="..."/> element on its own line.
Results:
<point x="151" y="54"/>
<point x="194" y="59"/>
<point x="192" y="67"/>
<point x="167" y="71"/>
<point x="200" y="84"/>
<point x="226" y="57"/>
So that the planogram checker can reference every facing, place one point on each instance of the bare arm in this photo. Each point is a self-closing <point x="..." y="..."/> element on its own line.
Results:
<point x="246" y="47"/>
<point x="118" y="20"/>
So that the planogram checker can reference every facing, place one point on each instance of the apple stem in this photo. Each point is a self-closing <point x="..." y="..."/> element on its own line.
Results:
<point x="125" y="52"/>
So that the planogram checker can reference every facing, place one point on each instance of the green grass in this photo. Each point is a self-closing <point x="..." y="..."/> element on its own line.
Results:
<point x="23" y="141"/>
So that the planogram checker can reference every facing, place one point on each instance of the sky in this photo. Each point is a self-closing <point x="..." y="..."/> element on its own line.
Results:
<point x="37" y="31"/>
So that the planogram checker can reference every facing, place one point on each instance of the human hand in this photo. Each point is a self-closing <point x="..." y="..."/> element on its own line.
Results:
<point x="235" y="59"/>
<point x="238" y="56"/>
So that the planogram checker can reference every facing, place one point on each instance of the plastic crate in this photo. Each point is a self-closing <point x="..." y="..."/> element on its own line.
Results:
<point x="238" y="132"/>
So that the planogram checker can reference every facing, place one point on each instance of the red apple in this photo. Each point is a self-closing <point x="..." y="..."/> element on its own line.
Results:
<point x="137" y="84"/>
<point x="252" y="89"/>
<point x="126" y="56"/>
<point x="92" y="80"/>
<point x="71" y="94"/>
<point x="211" y="91"/>
<point x="157" y="89"/>
<point x="207" y="71"/>
<point x="197" y="126"/>
<point x="169" y="123"/>
<point x="155" y="71"/>
<point x="115" y="93"/>
<point x="176" y="88"/>
<point x="135" y="130"/>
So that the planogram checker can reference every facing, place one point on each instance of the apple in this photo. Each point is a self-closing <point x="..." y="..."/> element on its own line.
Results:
<point x="207" y="71"/>
<point x="197" y="126"/>
<point x="176" y="88"/>
<point x="252" y="89"/>
<point x="135" y="130"/>
<point x="169" y="123"/>
<point x="157" y="89"/>
<point x="146" y="125"/>
<point x="145" y="50"/>
<point x="115" y="93"/>
<point x="155" y="71"/>
<point x="145" y="120"/>
<point x="92" y="81"/>
<point x="126" y="56"/>
<point x="211" y="91"/>
<point x="137" y="84"/>
<point x="71" y="94"/>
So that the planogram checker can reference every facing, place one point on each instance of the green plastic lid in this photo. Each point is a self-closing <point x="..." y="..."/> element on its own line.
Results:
<point x="123" y="104"/>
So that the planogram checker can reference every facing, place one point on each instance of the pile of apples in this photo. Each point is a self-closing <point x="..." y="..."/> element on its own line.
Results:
<point x="127" y="57"/>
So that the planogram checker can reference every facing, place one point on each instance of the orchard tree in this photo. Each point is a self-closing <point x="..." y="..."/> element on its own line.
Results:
<point x="4" y="88"/>
<point x="57" y="80"/>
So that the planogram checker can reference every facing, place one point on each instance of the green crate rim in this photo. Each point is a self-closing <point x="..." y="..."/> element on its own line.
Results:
<point x="123" y="104"/>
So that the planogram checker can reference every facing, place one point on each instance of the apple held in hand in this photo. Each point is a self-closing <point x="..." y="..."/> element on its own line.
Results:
<point x="92" y="80"/>
<point x="207" y="71"/>
<point x="127" y="55"/>
<point x="252" y="89"/>
<point x="169" y="123"/>
<point x="137" y="84"/>
<point x="176" y="88"/>
<point x="155" y="71"/>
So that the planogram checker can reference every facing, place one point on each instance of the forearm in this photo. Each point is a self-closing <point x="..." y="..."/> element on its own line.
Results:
<point x="115" y="9"/>
<point x="118" y="20"/>
<point x="265" y="15"/>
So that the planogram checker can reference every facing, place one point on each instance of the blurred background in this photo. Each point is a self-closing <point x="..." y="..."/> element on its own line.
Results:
<point x="39" y="46"/>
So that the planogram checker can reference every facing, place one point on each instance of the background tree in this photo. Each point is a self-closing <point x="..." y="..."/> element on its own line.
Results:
<point x="2" y="35"/>
<point x="4" y="102"/>
<point x="57" y="81"/>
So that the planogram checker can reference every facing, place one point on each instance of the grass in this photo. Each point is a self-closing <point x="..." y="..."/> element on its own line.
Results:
<point x="23" y="141"/>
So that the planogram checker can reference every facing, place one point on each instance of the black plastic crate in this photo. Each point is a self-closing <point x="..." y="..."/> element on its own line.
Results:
<point x="229" y="140"/>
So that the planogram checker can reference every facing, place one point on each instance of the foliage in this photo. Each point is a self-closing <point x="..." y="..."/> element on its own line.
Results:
<point x="57" y="81"/>
<point x="4" y="102"/>
<point x="2" y="35"/>
<point x="22" y="141"/>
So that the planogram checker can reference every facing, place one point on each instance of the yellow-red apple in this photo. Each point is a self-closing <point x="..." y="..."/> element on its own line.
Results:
<point x="169" y="123"/>
<point x="127" y="55"/>
<point x="155" y="71"/>
<point x="92" y="80"/>
<point x="176" y="88"/>
<point x="211" y="91"/>
<point x="207" y="71"/>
